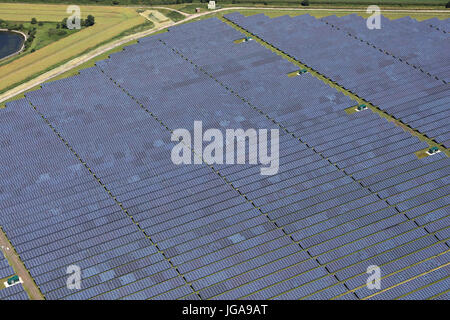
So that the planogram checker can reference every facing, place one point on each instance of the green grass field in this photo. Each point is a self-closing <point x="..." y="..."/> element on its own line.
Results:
<point x="45" y="35"/>
<point x="111" y="22"/>
<point x="172" y="15"/>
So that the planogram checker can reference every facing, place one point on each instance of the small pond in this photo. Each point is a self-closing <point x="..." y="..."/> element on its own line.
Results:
<point x="10" y="42"/>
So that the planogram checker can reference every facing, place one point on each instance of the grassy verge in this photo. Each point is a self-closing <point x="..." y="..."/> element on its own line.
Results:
<point x="190" y="8"/>
<point x="14" y="260"/>
<point x="172" y="15"/>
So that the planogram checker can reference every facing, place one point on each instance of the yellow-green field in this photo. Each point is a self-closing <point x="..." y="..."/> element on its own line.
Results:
<point x="110" y="22"/>
<point x="418" y="15"/>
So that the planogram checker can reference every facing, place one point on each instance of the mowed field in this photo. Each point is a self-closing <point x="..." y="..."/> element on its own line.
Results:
<point x="110" y="22"/>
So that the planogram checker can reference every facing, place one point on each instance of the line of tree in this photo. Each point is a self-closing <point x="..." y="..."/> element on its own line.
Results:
<point x="11" y="26"/>
<point x="30" y="37"/>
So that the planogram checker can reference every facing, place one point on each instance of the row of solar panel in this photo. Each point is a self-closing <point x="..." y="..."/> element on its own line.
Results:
<point x="202" y="292"/>
<point x="213" y="198"/>
<point x="5" y="268"/>
<point x="411" y="42"/>
<point x="377" y="77"/>
<point x="15" y="292"/>
<point x="199" y="56"/>
<point x="75" y="223"/>
<point x="436" y="23"/>
<point x="108" y="157"/>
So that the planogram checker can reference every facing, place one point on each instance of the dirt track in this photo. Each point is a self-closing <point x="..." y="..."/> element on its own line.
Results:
<point x="13" y="258"/>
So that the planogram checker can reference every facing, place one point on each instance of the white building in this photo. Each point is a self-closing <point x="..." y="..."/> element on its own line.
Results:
<point x="212" y="5"/>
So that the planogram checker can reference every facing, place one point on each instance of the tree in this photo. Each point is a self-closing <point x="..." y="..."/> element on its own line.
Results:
<point x="447" y="5"/>
<point x="90" y="21"/>
<point x="33" y="20"/>
<point x="64" y="23"/>
<point x="305" y="3"/>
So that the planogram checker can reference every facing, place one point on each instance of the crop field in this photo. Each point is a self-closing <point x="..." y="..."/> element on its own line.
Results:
<point x="110" y="22"/>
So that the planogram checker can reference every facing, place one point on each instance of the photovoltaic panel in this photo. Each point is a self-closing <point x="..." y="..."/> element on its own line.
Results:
<point x="349" y="191"/>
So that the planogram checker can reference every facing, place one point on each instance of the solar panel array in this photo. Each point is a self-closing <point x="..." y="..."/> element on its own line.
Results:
<point x="403" y="67"/>
<point x="56" y="214"/>
<point x="409" y="41"/>
<point x="15" y="292"/>
<point x="95" y="186"/>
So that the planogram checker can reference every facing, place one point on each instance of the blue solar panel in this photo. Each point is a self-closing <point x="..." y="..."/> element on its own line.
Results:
<point x="348" y="188"/>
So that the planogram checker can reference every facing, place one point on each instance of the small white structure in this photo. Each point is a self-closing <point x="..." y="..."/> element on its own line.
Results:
<point x="7" y="285"/>
<point x="212" y="5"/>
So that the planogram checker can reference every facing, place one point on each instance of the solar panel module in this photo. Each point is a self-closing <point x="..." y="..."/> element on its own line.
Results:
<point x="87" y="178"/>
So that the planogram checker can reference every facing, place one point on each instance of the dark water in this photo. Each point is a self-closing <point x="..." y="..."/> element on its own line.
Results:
<point x="10" y="42"/>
